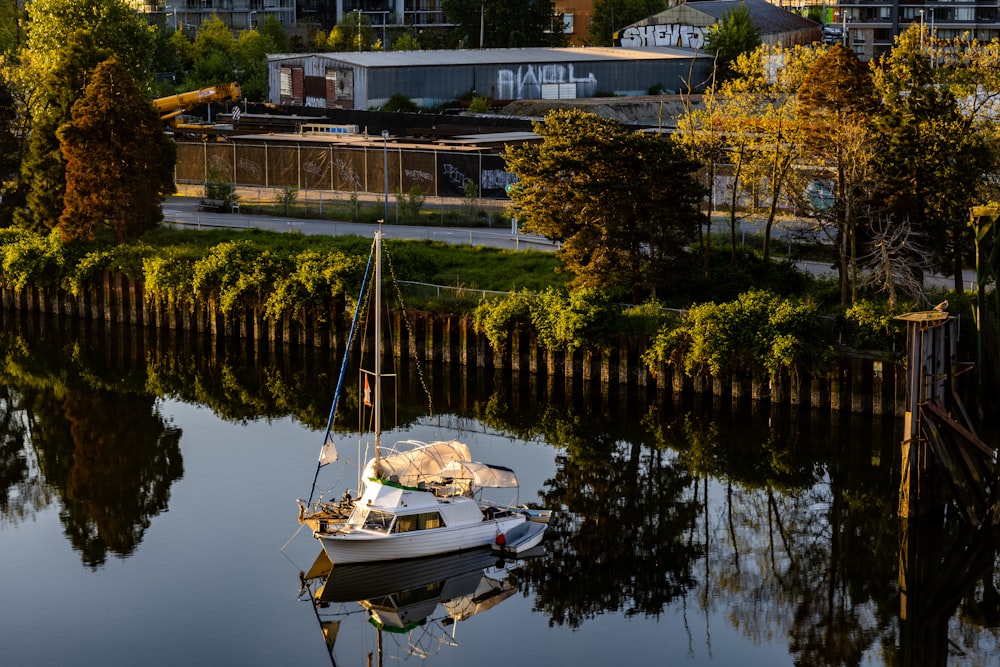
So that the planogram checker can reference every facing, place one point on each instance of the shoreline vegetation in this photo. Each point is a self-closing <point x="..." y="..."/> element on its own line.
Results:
<point x="273" y="290"/>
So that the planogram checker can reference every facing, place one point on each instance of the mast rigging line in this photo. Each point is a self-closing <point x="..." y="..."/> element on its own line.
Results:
<point x="343" y="367"/>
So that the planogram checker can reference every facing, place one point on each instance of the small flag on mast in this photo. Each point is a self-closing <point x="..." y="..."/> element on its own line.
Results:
<point x="328" y="454"/>
<point x="368" y="393"/>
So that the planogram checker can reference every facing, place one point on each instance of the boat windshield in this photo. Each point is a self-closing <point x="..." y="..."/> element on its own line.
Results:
<point x="376" y="520"/>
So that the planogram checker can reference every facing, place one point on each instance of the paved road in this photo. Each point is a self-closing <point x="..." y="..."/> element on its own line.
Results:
<point x="184" y="211"/>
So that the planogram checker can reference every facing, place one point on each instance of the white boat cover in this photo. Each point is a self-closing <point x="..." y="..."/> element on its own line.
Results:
<point x="432" y="462"/>
<point x="423" y="463"/>
<point x="481" y="474"/>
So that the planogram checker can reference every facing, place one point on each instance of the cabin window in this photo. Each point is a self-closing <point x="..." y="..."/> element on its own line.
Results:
<point x="378" y="520"/>
<point x="422" y="521"/>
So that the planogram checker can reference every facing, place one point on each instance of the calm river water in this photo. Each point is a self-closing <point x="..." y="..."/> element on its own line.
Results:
<point x="149" y="517"/>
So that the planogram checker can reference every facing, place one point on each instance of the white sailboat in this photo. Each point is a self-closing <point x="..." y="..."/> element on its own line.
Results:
<point x="418" y="499"/>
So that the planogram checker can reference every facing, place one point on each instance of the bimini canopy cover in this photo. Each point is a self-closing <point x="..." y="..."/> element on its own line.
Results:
<point x="482" y="475"/>
<point x="423" y="463"/>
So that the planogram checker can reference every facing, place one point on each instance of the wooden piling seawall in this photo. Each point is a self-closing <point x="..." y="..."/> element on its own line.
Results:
<point x="863" y="385"/>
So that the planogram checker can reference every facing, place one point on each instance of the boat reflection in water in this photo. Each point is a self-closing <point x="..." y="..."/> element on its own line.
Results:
<point x="413" y="604"/>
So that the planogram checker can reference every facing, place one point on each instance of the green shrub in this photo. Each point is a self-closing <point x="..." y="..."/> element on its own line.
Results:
<point x="217" y="188"/>
<point x="872" y="325"/>
<point x="316" y="277"/>
<point x="585" y="317"/>
<point x="238" y="271"/>
<point x="29" y="257"/>
<point x="495" y="318"/>
<point x="168" y="276"/>
<point x="400" y="102"/>
<point x="479" y="104"/>
<point x="758" y="331"/>
<point x="127" y="259"/>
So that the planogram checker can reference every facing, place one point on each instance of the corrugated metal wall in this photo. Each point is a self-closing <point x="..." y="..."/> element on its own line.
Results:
<point x="433" y="85"/>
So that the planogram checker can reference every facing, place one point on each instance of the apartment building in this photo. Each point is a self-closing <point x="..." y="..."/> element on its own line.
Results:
<point x="187" y="15"/>
<point x="870" y="26"/>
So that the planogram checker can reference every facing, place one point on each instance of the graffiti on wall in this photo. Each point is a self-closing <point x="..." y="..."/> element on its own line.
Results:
<point x="525" y="83"/>
<point x="419" y="175"/>
<point x="497" y="179"/>
<point x="251" y="167"/>
<point x="689" y="36"/>
<point x="455" y="176"/>
<point x="346" y="174"/>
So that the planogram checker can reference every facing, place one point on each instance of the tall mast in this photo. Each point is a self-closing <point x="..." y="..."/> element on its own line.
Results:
<point x="378" y="346"/>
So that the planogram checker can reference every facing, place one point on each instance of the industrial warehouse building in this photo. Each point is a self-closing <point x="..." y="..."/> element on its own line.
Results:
<point x="432" y="78"/>
<point x="687" y="25"/>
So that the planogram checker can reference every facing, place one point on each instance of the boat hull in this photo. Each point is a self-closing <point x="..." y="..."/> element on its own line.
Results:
<point x="521" y="539"/>
<point x="361" y="546"/>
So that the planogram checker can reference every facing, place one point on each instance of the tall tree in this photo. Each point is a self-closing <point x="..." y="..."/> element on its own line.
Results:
<point x="214" y="54"/>
<point x="250" y="61"/>
<point x="353" y="33"/>
<point x="505" y="23"/>
<point x="708" y="134"/>
<point x="43" y="170"/>
<point x="622" y="204"/>
<point x="768" y="80"/>
<point x="11" y="34"/>
<point x="114" y="24"/>
<point x="751" y="121"/>
<point x="272" y="29"/>
<point x="11" y="150"/>
<point x="734" y="35"/>
<point x="119" y="163"/>
<point x="935" y="158"/>
<point x="837" y="104"/>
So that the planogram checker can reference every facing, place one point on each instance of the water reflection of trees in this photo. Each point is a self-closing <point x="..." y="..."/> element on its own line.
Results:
<point x="105" y="453"/>
<point x="782" y="522"/>
<point x="22" y="490"/>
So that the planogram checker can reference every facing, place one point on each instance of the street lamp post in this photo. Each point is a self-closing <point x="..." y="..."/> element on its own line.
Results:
<point x="359" y="29"/>
<point x="385" y="173"/>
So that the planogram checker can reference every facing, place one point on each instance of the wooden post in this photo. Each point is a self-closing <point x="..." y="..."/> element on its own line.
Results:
<point x="930" y="349"/>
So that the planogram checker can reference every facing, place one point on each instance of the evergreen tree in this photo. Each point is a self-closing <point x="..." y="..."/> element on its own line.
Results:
<point x="43" y="170"/>
<point x="272" y="30"/>
<point x="622" y="204"/>
<point x="11" y="147"/>
<point x="734" y="35"/>
<point x="934" y="158"/>
<point x="119" y="163"/>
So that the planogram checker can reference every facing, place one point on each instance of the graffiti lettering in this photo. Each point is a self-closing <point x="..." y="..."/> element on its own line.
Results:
<point x="496" y="179"/>
<point x="418" y="175"/>
<point x="311" y="167"/>
<point x="455" y="175"/>
<point x="252" y="169"/>
<point x="343" y="169"/>
<point x="221" y="165"/>
<point x="526" y="83"/>
<point x="689" y="36"/>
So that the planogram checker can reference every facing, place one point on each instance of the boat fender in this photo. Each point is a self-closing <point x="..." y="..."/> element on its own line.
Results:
<point x="501" y="539"/>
